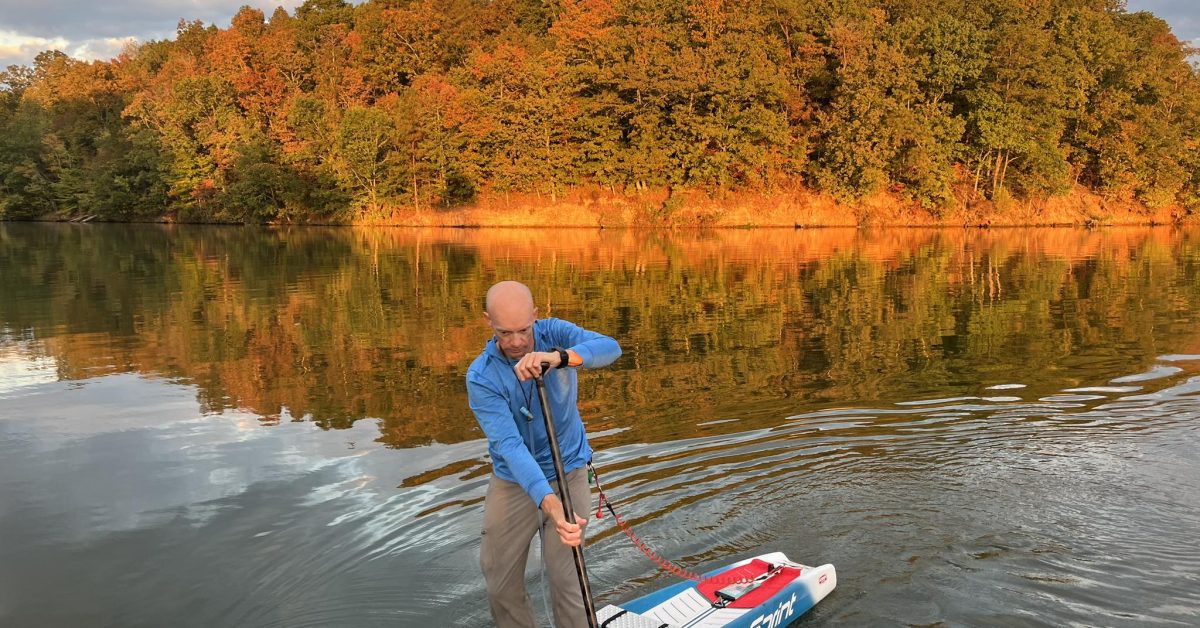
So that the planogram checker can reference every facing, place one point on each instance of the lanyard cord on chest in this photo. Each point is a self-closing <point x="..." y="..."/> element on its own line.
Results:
<point x="528" y="401"/>
<point x="526" y="393"/>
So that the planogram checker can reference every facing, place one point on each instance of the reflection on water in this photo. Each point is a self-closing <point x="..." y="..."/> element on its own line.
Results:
<point x="244" y="427"/>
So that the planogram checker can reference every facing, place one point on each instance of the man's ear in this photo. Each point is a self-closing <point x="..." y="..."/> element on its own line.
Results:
<point x="487" y="318"/>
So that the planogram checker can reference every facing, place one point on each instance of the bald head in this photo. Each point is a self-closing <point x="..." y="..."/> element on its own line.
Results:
<point x="510" y="312"/>
<point x="508" y="294"/>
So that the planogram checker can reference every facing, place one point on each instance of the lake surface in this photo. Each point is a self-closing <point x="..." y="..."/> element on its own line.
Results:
<point x="225" y="426"/>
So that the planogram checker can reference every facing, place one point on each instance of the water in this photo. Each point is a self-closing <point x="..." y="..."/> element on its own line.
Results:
<point x="214" y="426"/>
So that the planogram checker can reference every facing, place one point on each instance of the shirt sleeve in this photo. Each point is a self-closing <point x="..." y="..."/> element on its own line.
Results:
<point x="596" y="349"/>
<point x="495" y="417"/>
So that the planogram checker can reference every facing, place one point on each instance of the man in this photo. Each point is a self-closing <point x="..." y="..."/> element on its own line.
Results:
<point x="520" y="497"/>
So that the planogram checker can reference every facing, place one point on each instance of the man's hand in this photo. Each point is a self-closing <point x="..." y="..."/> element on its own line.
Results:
<point x="530" y="366"/>
<point x="570" y="533"/>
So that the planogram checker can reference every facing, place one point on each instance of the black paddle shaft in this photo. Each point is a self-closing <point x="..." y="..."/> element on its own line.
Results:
<point x="564" y="495"/>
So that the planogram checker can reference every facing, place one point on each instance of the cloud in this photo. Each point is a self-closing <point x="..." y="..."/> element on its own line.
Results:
<point x="16" y="49"/>
<point x="104" y="48"/>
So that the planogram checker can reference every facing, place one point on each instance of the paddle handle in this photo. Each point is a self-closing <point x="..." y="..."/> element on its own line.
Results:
<point x="564" y="495"/>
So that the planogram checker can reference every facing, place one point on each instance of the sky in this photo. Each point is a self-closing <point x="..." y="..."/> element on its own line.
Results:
<point x="87" y="29"/>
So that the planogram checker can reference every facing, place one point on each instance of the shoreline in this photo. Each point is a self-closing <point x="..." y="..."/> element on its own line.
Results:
<point x="589" y="208"/>
<point x="584" y="227"/>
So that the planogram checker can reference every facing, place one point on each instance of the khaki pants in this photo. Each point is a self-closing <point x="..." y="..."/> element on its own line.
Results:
<point x="510" y="520"/>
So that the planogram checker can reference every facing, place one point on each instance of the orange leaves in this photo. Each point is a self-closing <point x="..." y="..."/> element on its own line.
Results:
<point x="583" y="23"/>
<point x="68" y="80"/>
<point x="434" y="93"/>
<point x="505" y="63"/>
<point x="710" y="18"/>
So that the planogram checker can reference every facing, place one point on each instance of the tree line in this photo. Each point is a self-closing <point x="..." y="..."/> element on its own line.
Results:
<point x="340" y="113"/>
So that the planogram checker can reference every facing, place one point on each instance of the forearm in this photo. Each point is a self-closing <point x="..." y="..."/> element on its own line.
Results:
<point x="597" y="352"/>
<point x="594" y="350"/>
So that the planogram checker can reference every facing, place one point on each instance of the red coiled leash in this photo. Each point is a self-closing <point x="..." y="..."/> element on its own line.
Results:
<point x="662" y="562"/>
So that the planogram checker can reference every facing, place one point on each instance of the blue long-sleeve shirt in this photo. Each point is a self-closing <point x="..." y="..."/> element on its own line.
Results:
<point x="519" y="446"/>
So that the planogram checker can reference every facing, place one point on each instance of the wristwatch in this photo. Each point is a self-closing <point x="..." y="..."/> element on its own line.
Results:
<point x="563" y="357"/>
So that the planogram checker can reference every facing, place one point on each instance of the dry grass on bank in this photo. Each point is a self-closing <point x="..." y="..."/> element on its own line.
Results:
<point x="595" y="208"/>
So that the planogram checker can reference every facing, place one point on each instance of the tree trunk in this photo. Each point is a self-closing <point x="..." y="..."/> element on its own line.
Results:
<point x="1004" y="170"/>
<point x="416" y="190"/>
<point x="979" y="169"/>
<point x="996" y="175"/>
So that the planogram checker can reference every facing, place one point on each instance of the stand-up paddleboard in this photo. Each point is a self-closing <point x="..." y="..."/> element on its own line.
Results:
<point x="767" y="591"/>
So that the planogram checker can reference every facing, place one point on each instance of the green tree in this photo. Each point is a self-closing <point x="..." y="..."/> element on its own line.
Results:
<point x="521" y="130"/>
<point x="364" y="154"/>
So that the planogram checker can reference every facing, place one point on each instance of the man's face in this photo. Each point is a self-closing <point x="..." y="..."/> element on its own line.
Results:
<point x="514" y="330"/>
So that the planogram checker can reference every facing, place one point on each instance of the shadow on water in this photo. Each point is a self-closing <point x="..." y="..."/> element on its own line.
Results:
<point x="227" y="426"/>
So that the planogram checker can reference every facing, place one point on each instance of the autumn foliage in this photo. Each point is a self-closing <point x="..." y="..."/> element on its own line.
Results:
<point x="341" y="113"/>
